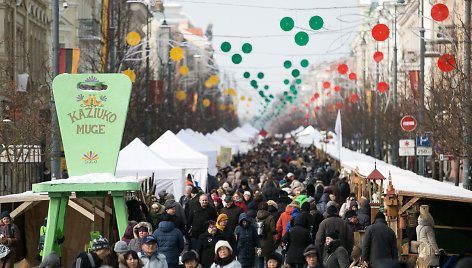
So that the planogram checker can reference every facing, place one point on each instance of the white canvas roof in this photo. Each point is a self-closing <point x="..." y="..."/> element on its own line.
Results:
<point x="242" y="134"/>
<point x="218" y="139"/>
<point x="204" y="140"/>
<point x="404" y="181"/>
<point x="250" y="129"/>
<point x="136" y="159"/>
<point x="199" y="146"/>
<point x="177" y="153"/>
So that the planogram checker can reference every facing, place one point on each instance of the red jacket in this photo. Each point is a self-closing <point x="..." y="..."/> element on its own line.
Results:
<point x="284" y="219"/>
<point x="241" y="204"/>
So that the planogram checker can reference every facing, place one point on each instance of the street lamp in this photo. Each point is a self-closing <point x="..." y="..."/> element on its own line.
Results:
<point x="364" y="97"/>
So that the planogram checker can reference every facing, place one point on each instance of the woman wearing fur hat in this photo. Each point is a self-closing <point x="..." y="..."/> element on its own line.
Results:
<point x="335" y="255"/>
<point x="140" y="230"/>
<point x="224" y="257"/>
<point x="10" y="237"/>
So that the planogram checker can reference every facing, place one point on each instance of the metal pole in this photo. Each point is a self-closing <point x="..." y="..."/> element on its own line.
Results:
<point x="394" y="108"/>
<point x="112" y="38"/>
<point x="147" y="102"/>
<point x="376" y="131"/>
<point x="364" y="97"/>
<point x="421" y="108"/>
<point x="55" y="135"/>
<point x="466" y="112"/>
<point x="169" y="86"/>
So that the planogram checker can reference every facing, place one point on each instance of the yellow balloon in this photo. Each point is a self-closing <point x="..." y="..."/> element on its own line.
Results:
<point x="208" y="83"/>
<point x="180" y="95"/>
<point x="235" y="101"/>
<point x="225" y="91"/>
<point x="231" y="106"/>
<point x="206" y="102"/>
<point x="231" y="91"/>
<point x="248" y="105"/>
<point x="130" y="74"/>
<point x="222" y="107"/>
<point x="245" y="118"/>
<point x="243" y="98"/>
<point x="214" y="80"/>
<point x="250" y="99"/>
<point x="176" y="53"/>
<point x="183" y="70"/>
<point x="247" y="112"/>
<point x="133" y="38"/>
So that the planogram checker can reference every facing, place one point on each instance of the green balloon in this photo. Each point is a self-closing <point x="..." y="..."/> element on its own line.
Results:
<point x="304" y="63"/>
<point x="295" y="73"/>
<point x="246" y="74"/>
<point x="260" y="75"/>
<point x="301" y="38"/>
<point x="286" y="81"/>
<point x="266" y="87"/>
<point x="287" y="24"/>
<point x="287" y="64"/>
<point x="261" y="93"/>
<point x="285" y="93"/>
<point x="316" y="23"/>
<point x="271" y="96"/>
<point x="295" y="92"/>
<point x="247" y="48"/>
<point x="225" y="46"/>
<point x="292" y="87"/>
<point x="236" y="58"/>
<point x="298" y="81"/>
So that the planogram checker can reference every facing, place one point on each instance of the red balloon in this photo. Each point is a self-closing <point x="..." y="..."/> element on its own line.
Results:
<point x="317" y="95"/>
<point x="328" y="94"/>
<point x="330" y="108"/>
<point x="446" y="63"/>
<point x="439" y="12"/>
<point x="300" y="111"/>
<point x="352" y="76"/>
<point x="301" y="120"/>
<point x="307" y="115"/>
<point x="317" y="108"/>
<point x="294" y="109"/>
<point x="380" y="32"/>
<point x="382" y="87"/>
<point x="342" y="68"/>
<point x="339" y="105"/>
<point x="306" y="104"/>
<point x="355" y="98"/>
<point x="337" y="88"/>
<point x="378" y="56"/>
<point x="312" y="99"/>
<point x="326" y="84"/>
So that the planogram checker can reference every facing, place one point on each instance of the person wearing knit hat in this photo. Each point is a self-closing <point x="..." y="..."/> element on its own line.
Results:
<point x="335" y="254"/>
<point x="10" y="237"/>
<point x="99" y="251"/>
<point x="274" y="260"/>
<point x="380" y="242"/>
<point x="169" y="239"/>
<point x="217" y="203"/>
<point x="190" y="259"/>
<point x="120" y="247"/>
<point x="352" y="222"/>
<point x="331" y="210"/>
<point x="51" y="261"/>
<point x="224" y="257"/>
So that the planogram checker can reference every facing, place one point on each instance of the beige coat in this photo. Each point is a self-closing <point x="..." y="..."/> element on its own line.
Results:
<point x="425" y="233"/>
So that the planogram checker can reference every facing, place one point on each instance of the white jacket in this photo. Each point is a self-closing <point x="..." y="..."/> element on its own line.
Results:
<point x="156" y="261"/>
<point x="233" y="264"/>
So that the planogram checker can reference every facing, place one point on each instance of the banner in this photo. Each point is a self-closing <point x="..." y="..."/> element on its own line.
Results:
<point x="195" y="100"/>
<point x="415" y="82"/>
<point x="105" y="32"/>
<point x="69" y="60"/>
<point x="263" y="133"/>
<point x="225" y="156"/>
<point x="338" y="129"/>
<point x="156" y="91"/>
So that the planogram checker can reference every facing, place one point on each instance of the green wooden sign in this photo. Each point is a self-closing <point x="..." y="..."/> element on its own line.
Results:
<point x="91" y="109"/>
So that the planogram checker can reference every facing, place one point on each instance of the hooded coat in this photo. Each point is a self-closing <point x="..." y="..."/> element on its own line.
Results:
<point x="298" y="238"/>
<point x="322" y="204"/>
<point x="425" y="233"/>
<point x="334" y="223"/>
<point x="363" y="215"/>
<point x="284" y="219"/>
<point x="128" y="234"/>
<point x="246" y="242"/>
<point x="267" y="242"/>
<point x="226" y="234"/>
<point x="335" y="256"/>
<point x="135" y="243"/>
<point x="170" y="242"/>
<point x="379" y="242"/>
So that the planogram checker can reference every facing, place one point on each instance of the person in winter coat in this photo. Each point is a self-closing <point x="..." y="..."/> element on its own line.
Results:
<point x="425" y="233"/>
<point x="297" y="239"/>
<point x="224" y="256"/>
<point x="379" y="242"/>
<point x="100" y="251"/>
<point x="252" y="207"/>
<point x="171" y="213"/>
<point x="232" y="211"/>
<point x="334" y="223"/>
<point x="170" y="241"/>
<point x="218" y="204"/>
<point x="273" y="209"/>
<point x="335" y="255"/>
<point x="317" y="219"/>
<point x="363" y="215"/>
<point x="346" y="205"/>
<point x="284" y="219"/>
<point x="238" y="201"/>
<point x="140" y="230"/>
<point x="322" y="204"/>
<point x="10" y="236"/>
<point x="270" y="190"/>
<point x="206" y="244"/>
<point x="129" y="232"/>
<point x="157" y="210"/>
<point x="267" y="239"/>
<point x="274" y="260"/>
<point x="352" y="222"/>
<point x="149" y="255"/>
<point x="130" y="259"/>
<point x="190" y="259"/>
<point x="313" y="257"/>
<point x="247" y="241"/>
<point x="200" y="214"/>
<point x="224" y="231"/>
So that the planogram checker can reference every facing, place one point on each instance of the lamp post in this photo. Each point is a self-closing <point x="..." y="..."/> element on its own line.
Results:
<point x="466" y="112"/>
<point x="364" y="101"/>
<point x="421" y="86"/>
<point x="55" y="135"/>
<point x="376" y="131"/>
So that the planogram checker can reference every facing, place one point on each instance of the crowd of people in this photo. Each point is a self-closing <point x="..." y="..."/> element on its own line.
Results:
<point x="279" y="205"/>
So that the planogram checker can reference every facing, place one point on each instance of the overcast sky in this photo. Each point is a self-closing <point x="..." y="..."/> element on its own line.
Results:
<point x="258" y="22"/>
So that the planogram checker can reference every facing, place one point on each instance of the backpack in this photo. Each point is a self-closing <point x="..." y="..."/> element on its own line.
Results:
<point x="260" y="227"/>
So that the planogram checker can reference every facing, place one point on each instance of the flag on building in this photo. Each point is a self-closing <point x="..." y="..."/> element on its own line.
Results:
<point x="415" y="82"/>
<point x="156" y="91"/>
<point x="69" y="60"/>
<point x="339" y="131"/>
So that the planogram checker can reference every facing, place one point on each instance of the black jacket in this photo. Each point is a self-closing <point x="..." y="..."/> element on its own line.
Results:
<point x="198" y="217"/>
<point x="379" y="242"/>
<point x="206" y="248"/>
<point x="228" y="235"/>
<point x="83" y="260"/>
<point x="233" y="213"/>
<point x="298" y="238"/>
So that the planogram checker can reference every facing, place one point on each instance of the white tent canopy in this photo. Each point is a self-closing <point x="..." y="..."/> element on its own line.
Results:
<point x="196" y="144"/>
<point x="221" y="141"/>
<point x="177" y="153"/>
<point x="204" y="140"/>
<point x="306" y="137"/>
<point x="239" y="132"/>
<point x="404" y="181"/>
<point x="137" y="160"/>
<point x="250" y="129"/>
<point x="243" y="146"/>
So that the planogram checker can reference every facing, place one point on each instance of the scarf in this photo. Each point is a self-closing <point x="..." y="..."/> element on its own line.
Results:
<point x="224" y="262"/>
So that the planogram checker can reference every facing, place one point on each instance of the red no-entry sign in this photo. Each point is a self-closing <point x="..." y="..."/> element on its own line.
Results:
<point x="408" y="123"/>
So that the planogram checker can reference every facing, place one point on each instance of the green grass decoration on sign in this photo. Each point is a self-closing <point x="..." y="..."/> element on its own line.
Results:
<point x="298" y="81"/>
<point x="247" y="48"/>
<point x="225" y="46"/>
<point x="236" y="58"/>
<point x="286" y="81"/>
